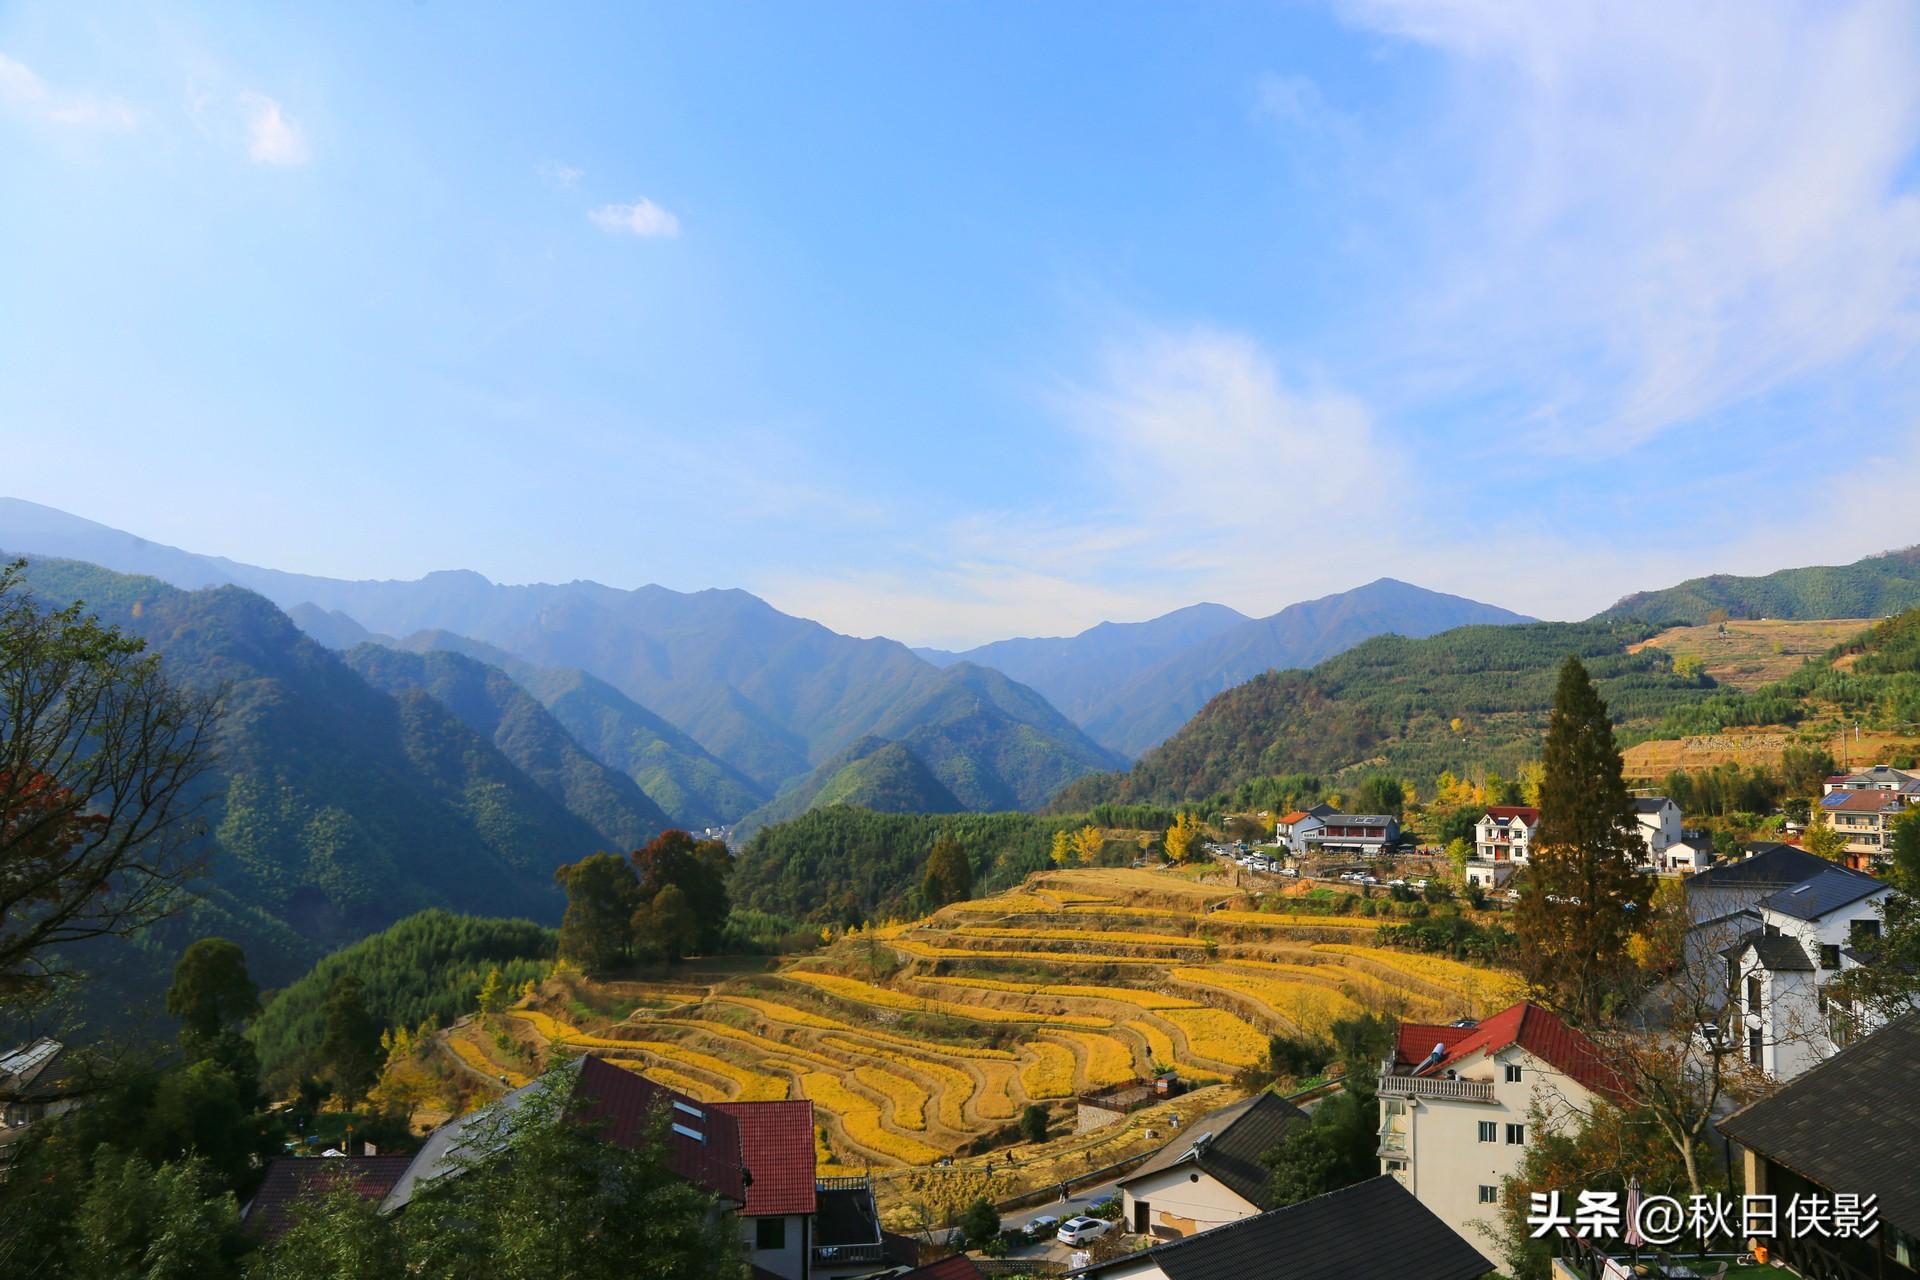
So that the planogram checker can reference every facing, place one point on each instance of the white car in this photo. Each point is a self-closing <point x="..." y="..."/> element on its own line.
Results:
<point x="1043" y="1225"/>
<point x="1081" y="1229"/>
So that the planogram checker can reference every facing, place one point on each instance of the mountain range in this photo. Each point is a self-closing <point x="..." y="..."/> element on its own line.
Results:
<point x="1875" y="587"/>
<point x="715" y="703"/>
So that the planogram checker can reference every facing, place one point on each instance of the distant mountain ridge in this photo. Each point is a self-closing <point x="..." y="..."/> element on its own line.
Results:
<point x="1131" y="685"/>
<point x="769" y="694"/>
<point x="1871" y="588"/>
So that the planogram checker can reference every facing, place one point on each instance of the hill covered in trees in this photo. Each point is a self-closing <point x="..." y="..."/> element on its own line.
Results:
<point x="425" y="968"/>
<point x="1869" y="588"/>
<point x="487" y="701"/>
<point x="333" y="808"/>
<point x="886" y="777"/>
<point x="1465" y="700"/>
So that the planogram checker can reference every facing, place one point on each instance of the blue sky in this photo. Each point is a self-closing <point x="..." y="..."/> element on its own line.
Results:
<point x="953" y="322"/>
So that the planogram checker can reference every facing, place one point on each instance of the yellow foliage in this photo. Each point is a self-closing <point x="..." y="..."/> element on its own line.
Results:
<point x="801" y="1017"/>
<point x="909" y="1099"/>
<point x="1486" y="990"/>
<point x="928" y="951"/>
<point x="1062" y="853"/>
<point x="1087" y="844"/>
<point x="1218" y="1035"/>
<point x="1182" y="838"/>
<point x="1050" y="1074"/>
<point x="861" y="1120"/>
<point x="1002" y="904"/>
<point x="470" y="1053"/>
<point x="887" y="998"/>
<point x="1108" y="1060"/>
<point x="1071" y="991"/>
<point x="1084" y="935"/>
<point x="698" y="1090"/>
<point x="956" y="1086"/>
<point x="762" y="1043"/>
<point x="1311" y="1008"/>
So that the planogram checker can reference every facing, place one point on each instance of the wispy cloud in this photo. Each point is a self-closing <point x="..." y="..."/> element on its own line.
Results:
<point x="23" y="90"/>
<point x="562" y="175"/>
<point x="272" y="138"/>
<point x="1654" y="213"/>
<point x="642" y="218"/>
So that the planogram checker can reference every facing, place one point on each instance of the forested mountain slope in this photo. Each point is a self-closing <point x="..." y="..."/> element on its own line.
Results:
<point x="1143" y="711"/>
<point x="334" y="808"/>
<point x="1393" y="702"/>
<point x="873" y="773"/>
<point x="1869" y="588"/>
<point x="487" y="701"/>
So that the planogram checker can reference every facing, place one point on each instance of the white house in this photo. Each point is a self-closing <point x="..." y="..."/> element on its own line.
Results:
<point x="1295" y="828"/>
<point x="1658" y="820"/>
<point x="1502" y="841"/>
<point x="1777" y="973"/>
<point x="1458" y="1106"/>
<point x="1688" y="855"/>
<point x="1212" y="1173"/>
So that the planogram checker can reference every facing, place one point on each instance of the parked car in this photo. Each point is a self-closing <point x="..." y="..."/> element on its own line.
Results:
<point x="1288" y="871"/>
<point x="1043" y="1226"/>
<point x="1081" y="1229"/>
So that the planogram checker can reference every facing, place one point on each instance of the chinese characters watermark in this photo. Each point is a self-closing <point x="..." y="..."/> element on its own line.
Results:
<point x="1664" y="1220"/>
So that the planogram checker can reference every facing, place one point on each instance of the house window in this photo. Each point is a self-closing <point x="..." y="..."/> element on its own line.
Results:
<point x="1753" y="1046"/>
<point x="1863" y="929"/>
<point x="1513" y="1073"/>
<point x="1753" y="993"/>
<point x="769" y="1233"/>
<point x="1489" y="1195"/>
<point x="1829" y="955"/>
<point x="1489" y="1131"/>
<point x="1516" y="1135"/>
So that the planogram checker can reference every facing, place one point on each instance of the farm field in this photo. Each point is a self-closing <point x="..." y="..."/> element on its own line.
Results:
<point x="924" y="1041"/>
<point x="1753" y="652"/>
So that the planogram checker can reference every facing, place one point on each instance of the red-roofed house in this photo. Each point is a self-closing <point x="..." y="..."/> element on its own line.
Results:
<point x="776" y="1143"/>
<point x="1457" y="1104"/>
<point x="290" y="1179"/>
<point x="1502" y="840"/>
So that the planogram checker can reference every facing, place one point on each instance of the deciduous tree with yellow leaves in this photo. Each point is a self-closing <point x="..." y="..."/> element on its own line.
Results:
<point x="1088" y="842"/>
<point x="1182" y="837"/>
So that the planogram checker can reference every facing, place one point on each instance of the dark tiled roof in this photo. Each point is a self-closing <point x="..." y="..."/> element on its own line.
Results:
<point x="1373" y="1228"/>
<point x="776" y="1142"/>
<point x="1507" y="812"/>
<point x="1850" y="1124"/>
<point x="1542" y="1033"/>
<point x="35" y="1070"/>
<point x="1771" y="866"/>
<point x="291" y="1179"/>
<point x="1650" y="804"/>
<point x="1832" y="889"/>
<point x="1776" y="951"/>
<point x="1231" y="1142"/>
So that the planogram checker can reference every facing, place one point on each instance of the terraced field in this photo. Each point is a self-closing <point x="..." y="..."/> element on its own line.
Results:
<point x="914" y="1041"/>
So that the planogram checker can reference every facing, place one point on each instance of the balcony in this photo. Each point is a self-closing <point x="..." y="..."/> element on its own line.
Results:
<point x="1435" y="1089"/>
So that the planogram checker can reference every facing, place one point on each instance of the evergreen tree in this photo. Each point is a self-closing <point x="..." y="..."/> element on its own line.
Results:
<point x="700" y="870"/>
<point x="1583" y="898"/>
<point x="949" y="875"/>
<point x="214" y="998"/>
<point x="667" y="926"/>
<point x="602" y="892"/>
<point x="351" y="1045"/>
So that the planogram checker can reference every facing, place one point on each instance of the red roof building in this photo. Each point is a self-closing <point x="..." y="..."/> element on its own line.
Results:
<point x="776" y="1145"/>
<point x="291" y="1179"/>
<point x="703" y="1142"/>
<point x="1539" y="1031"/>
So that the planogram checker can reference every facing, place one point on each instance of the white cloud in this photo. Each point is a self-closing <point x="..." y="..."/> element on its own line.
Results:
<point x="642" y="218"/>
<point x="272" y="138"/>
<point x="1652" y="213"/>
<point x="22" y="89"/>
<point x="562" y="175"/>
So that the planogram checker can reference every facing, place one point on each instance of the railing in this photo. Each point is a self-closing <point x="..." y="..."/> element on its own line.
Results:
<point x="853" y="1182"/>
<point x="1428" y="1087"/>
<point x="835" y="1253"/>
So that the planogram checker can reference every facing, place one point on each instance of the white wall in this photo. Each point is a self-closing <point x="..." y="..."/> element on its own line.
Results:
<point x="1183" y="1201"/>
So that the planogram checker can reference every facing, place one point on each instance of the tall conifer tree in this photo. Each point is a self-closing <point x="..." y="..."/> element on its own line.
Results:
<point x="1585" y="898"/>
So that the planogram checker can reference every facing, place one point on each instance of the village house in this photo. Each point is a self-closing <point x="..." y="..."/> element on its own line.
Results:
<point x="32" y="1080"/>
<point x="1658" y="821"/>
<point x="1370" y="1229"/>
<point x="1777" y="973"/>
<point x="1355" y="835"/>
<point x="1293" y="829"/>
<point x="757" y="1159"/>
<point x="1881" y="777"/>
<point x="1459" y="1105"/>
<point x="1864" y="816"/>
<point x="1213" y="1177"/>
<point x="1848" y="1127"/>
<point x="1502" y="841"/>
